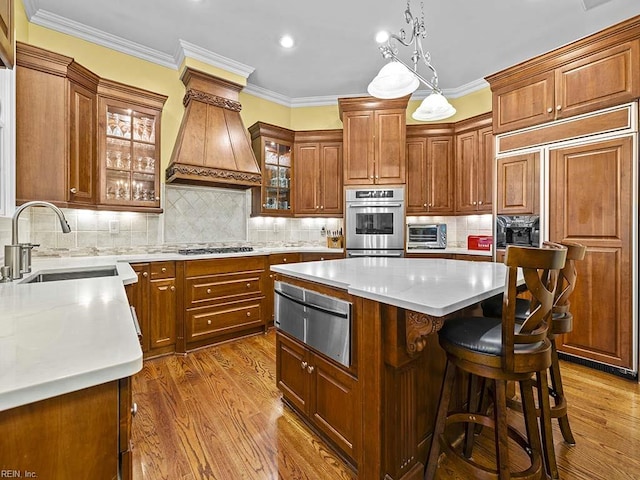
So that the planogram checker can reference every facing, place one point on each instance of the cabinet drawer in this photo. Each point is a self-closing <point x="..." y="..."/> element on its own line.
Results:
<point x="280" y="258"/>
<point x="221" y="288"/>
<point x="203" y="323"/>
<point x="200" y="268"/>
<point x="163" y="270"/>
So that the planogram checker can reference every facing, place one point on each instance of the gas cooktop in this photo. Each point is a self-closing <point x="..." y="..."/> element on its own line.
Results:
<point x="203" y="251"/>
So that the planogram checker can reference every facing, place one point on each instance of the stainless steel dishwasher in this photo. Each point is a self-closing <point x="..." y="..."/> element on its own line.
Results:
<point x="320" y="321"/>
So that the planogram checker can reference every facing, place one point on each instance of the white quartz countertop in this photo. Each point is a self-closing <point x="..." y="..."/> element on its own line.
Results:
<point x="59" y="337"/>
<point x="435" y="286"/>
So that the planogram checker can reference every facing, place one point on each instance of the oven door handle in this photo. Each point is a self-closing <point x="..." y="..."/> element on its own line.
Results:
<point x="376" y="205"/>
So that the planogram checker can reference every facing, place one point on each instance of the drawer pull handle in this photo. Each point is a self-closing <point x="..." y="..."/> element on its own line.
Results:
<point x="303" y="365"/>
<point x="134" y="409"/>
<point x="73" y="190"/>
<point x="173" y="288"/>
<point x="208" y="290"/>
<point x="310" y="368"/>
<point x="208" y="322"/>
<point x="248" y="285"/>
<point x="248" y="314"/>
<point x="145" y="274"/>
<point x="163" y="269"/>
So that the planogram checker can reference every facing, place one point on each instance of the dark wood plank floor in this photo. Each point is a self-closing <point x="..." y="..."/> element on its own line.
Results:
<point x="217" y="414"/>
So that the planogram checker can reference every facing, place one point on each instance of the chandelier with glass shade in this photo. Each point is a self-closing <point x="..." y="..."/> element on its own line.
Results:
<point x="397" y="79"/>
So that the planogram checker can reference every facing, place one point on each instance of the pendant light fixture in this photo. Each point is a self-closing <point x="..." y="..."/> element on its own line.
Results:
<point x="397" y="79"/>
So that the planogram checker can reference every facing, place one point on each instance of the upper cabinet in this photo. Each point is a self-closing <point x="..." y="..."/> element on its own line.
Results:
<point x="474" y="165"/>
<point x="273" y="148"/>
<point x="318" y="173"/>
<point x="430" y="169"/>
<point x="82" y="141"/>
<point x="374" y="133"/>
<point x="7" y="33"/>
<point x="593" y="73"/>
<point x="519" y="184"/>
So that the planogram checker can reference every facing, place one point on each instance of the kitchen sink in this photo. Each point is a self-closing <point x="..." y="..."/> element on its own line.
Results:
<point x="72" y="275"/>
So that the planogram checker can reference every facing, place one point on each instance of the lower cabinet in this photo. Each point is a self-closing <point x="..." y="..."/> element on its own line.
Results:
<point x="82" y="434"/>
<point x="154" y="299"/>
<point x="315" y="257"/>
<point x="322" y="392"/>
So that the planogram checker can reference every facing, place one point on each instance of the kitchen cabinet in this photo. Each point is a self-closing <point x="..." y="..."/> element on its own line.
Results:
<point x="273" y="148"/>
<point x="154" y="298"/>
<point x="315" y="386"/>
<point x="129" y="147"/>
<point x="7" y="33"/>
<point x="430" y="169"/>
<point x="318" y="173"/>
<point x="519" y="184"/>
<point x="374" y="140"/>
<point x="82" y="434"/>
<point x="63" y="153"/>
<point x="599" y="71"/>
<point x="224" y="298"/>
<point x="318" y="257"/>
<point x="591" y="202"/>
<point x="474" y="165"/>
<point x="276" y="259"/>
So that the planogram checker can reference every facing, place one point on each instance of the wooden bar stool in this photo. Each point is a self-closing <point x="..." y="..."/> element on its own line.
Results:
<point x="561" y="322"/>
<point x="498" y="351"/>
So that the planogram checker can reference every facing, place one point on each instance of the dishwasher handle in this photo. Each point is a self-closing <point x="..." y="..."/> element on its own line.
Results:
<point x="312" y="306"/>
<point x="136" y="324"/>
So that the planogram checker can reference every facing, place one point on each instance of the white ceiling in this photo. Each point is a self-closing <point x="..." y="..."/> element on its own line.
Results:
<point x="335" y="52"/>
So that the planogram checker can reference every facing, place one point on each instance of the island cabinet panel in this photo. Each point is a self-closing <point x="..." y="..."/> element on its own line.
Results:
<point x="321" y="391"/>
<point x="155" y="298"/>
<point x="82" y="434"/>
<point x="591" y="203"/>
<point x="598" y="71"/>
<point x="224" y="298"/>
<point x="519" y="184"/>
<point x="430" y="170"/>
<point x="374" y="140"/>
<point x="318" y="173"/>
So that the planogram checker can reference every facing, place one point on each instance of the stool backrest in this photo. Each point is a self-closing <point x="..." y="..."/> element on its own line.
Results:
<point x="540" y="268"/>
<point x="568" y="276"/>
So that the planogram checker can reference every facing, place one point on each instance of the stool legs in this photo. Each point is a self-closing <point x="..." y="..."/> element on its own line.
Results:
<point x="546" y="432"/>
<point x="441" y="418"/>
<point x="559" y="409"/>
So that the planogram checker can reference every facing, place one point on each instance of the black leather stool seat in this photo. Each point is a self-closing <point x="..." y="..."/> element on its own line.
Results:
<point x="481" y="334"/>
<point x="492" y="307"/>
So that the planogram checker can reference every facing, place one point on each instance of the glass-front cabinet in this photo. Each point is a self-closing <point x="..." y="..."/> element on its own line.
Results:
<point x="273" y="147"/>
<point x="129" y="155"/>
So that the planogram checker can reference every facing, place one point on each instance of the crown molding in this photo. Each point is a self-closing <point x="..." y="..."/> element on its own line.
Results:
<point x="274" y="97"/>
<point x="30" y="7"/>
<point x="190" y="50"/>
<point x="461" y="91"/>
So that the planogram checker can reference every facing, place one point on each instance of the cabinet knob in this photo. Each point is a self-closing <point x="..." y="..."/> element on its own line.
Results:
<point x="208" y="290"/>
<point x="145" y="274"/>
<point x="73" y="190"/>
<point x="157" y="199"/>
<point x="430" y="205"/>
<point x="303" y="365"/>
<point x="371" y="177"/>
<point x="264" y="205"/>
<point x="248" y="314"/>
<point x="558" y="107"/>
<point x="271" y="275"/>
<point x="549" y="110"/>
<point x="321" y="258"/>
<point x="317" y="207"/>
<point x="424" y="204"/>
<point x="134" y="409"/>
<point x="284" y="260"/>
<point x="321" y="207"/>
<point x="173" y="288"/>
<point x="208" y="322"/>
<point x="248" y="285"/>
<point x="163" y="269"/>
<point x="475" y="203"/>
<point x="480" y="202"/>
<point x="310" y="368"/>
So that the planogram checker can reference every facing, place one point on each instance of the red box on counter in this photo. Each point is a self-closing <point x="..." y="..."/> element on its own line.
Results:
<point x="479" y="242"/>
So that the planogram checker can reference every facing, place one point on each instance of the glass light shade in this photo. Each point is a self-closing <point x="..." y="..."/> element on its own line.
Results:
<point x="393" y="81"/>
<point x="434" y="107"/>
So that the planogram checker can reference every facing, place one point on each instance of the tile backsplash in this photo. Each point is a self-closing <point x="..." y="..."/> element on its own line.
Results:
<point x="195" y="215"/>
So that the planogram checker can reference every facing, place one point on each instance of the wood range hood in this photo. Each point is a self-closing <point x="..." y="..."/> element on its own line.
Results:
<point x="212" y="148"/>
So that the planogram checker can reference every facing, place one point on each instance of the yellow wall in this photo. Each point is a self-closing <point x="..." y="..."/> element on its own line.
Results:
<point x="127" y="69"/>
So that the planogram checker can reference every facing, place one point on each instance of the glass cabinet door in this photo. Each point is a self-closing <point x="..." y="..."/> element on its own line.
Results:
<point x="131" y="162"/>
<point x="277" y="176"/>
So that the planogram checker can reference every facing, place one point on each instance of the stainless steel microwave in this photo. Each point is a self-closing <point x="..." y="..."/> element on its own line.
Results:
<point x="430" y="235"/>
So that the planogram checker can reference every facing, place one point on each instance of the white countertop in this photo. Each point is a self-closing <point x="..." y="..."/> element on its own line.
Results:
<point x="433" y="286"/>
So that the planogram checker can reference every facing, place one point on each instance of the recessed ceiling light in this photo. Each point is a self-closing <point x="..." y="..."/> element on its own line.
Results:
<point x="286" y="41"/>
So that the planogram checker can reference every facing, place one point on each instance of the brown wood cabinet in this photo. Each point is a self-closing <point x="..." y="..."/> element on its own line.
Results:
<point x="374" y="142"/>
<point x="7" y="33"/>
<point x="318" y="173"/>
<point x="474" y="165"/>
<point x="430" y="169"/>
<point x="323" y="392"/>
<point x="598" y="71"/>
<point x="273" y="148"/>
<point x="154" y="298"/>
<point x="519" y="184"/>
<point x="224" y="299"/>
<point x="129" y="147"/>
<point x="317" y="257"/>
<point x="82" y="434"/>
<point x="61" y="141"/>
<point x="590" y="198"/>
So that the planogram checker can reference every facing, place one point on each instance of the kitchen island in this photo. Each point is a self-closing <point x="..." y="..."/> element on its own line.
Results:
<point x="379" y="412"/>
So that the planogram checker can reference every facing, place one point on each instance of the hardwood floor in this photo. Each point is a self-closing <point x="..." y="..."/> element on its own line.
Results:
<point x="217" y="414"/>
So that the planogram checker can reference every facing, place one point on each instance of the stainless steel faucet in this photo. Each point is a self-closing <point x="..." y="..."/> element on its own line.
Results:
<point x="17" y="256"/>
